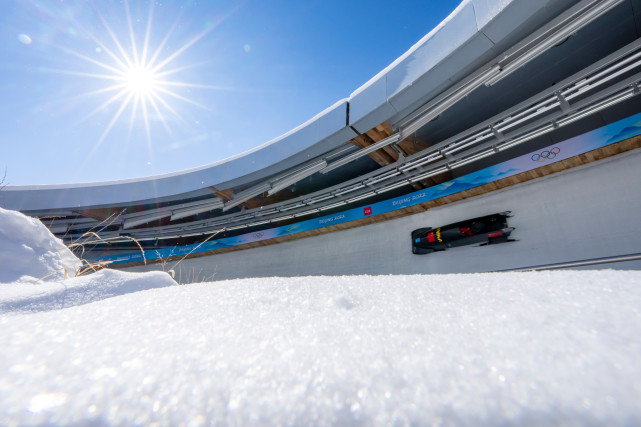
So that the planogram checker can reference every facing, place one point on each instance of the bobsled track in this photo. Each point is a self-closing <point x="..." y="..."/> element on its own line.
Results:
<point x="547" y="215"/>
<point x="531" y="107"/>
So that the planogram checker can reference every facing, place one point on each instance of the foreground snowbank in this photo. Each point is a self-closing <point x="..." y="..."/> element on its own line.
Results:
<point x="510" y="348"/>
<point x="33" y="265"/>
<point x="29" y="252"/>
<point x="44" y="296"/>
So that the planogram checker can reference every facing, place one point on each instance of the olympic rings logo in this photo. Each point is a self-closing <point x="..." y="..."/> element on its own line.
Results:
<point x="259" y="234"/>
<point x="546" y="155"/>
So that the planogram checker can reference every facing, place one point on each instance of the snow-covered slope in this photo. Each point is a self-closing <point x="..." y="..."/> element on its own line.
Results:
<point x="514" y="348"/>
<point x="501" y="348"/>
<point x="53" y="295"/>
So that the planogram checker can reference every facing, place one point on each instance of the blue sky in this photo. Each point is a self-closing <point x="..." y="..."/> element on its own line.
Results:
<point x="227" y="76"/>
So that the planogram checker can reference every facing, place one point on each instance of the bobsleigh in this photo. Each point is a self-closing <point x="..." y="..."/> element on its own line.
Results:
<point x="484" y="230"/>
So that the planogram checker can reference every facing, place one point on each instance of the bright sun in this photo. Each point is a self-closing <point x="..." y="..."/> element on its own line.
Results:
<point x="141" y="81"/>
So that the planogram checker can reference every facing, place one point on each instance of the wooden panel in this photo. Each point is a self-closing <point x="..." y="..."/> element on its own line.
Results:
<point x="101" y="215"/>
<point x="225" y="195"/>
<point x="383" y="156"/>
<point x="255" y="202"/>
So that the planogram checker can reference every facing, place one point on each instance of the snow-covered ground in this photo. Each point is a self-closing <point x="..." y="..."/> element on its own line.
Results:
<point x="38" y="272"/>
<point x="503" y="348"/>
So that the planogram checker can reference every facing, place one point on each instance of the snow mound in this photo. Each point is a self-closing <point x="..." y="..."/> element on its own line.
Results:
<point x="549" y="348"/>
<point x="32" y="271"/>
<point x="28" y="251"/>
<point x="25" y="297"/>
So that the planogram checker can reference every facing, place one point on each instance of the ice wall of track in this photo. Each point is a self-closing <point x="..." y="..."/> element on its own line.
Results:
<point x="586" y="212"/>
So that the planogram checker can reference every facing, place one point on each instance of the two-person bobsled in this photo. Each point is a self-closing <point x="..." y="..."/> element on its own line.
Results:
<point x="484" y="230"/>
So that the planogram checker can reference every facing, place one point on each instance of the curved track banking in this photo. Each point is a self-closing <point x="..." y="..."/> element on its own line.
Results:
<point x="494" y="82"/>
<point x="575" y="214"/>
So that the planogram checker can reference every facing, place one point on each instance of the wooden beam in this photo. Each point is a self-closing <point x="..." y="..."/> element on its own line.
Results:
<point x="228" y="194"/>
<point x="225" y="195"/>
<point x="380" y="156"/>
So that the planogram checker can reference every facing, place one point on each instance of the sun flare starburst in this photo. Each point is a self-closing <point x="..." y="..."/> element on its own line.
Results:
<point x="142" y="81"/>
<point x="139" y="79"/>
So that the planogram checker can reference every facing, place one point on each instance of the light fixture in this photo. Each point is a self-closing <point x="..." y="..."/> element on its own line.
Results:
<point x="382" y="177"/>
<point x="215" y="223"/>
<point x="393" y="186"/>
<point x="265" y="212"/>
<point x="191" y="234"/>
<point x="134" y="222"/>
<point x="361" y="197"/>
<point x="240" y="218"/>
<point x="332" y="206"/>
<point x="245" y="195"/>
<point x="362" y="152"/>
<point x="528" y="136"/>
<point x="421" y="161"/>
<point x="345" y="149"/>
<point x="528" y="114"/>
<point x="282" y="218"/>
<point x="290" y="207"/>
<point x="185" y="212"/>
<point x="349" y="189"/>
<point x="140" y="239"/>
<point x="460" y="146"/>
<point x="473" y="158"/>
<point x="590" y="83"/>
<point x="428" y="174"/>
<point x="601" y="106"/>
<point x="466" y="142"/>
<point x="309" y="212"/>
<point x="236" y="227"/>
<point x="296" y="176"/>
<point x="318" y="199"/>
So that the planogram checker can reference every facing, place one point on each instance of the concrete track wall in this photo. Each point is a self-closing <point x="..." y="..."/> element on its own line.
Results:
<point x="587" y="212"/>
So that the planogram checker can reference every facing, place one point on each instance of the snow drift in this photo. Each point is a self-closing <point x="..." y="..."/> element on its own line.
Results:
<point x="33" y="264"/>
<point x="19" y="297"/>
<point x="468" y="349"/>
<point x="511" y="349"/>
<point x="29" y="252"/>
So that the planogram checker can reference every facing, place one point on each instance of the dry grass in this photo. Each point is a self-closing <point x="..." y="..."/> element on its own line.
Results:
<point x="92" y="237"/>
<point x="4" y="178"/>
<point x="193" y="278"/>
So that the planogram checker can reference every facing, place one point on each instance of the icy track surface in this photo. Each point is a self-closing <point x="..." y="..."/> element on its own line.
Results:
<point x="504" y="348"/>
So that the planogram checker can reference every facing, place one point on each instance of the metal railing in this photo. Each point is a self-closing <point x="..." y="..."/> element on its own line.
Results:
<point x="577" y="263"/>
